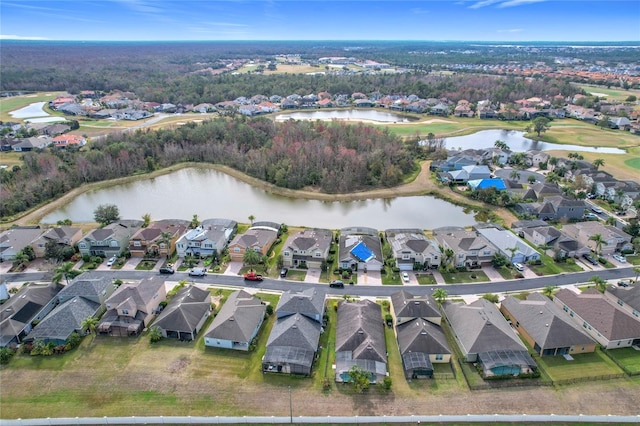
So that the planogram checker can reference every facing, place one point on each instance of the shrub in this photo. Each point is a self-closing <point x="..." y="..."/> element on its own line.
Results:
<point x="386" y="383"/>
<point x="86" y="258"/>
<point x="491" y="297"/>
<point x="5" y="355"/>
<point x="269" y="310"/>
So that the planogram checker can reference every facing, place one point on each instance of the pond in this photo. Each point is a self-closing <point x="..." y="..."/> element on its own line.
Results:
<point x="518" y="143"/>
<point x="210" y="194"/>
<point x="32" y="110"/>
<point x="348" y="114"/>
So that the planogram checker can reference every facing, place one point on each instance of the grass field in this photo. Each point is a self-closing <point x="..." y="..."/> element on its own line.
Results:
<point x="628" y="358"/>
<point x="593" y="364"/>
<point x="618" y="94"/>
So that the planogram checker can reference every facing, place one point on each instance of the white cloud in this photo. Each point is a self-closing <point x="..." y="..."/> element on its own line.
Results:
<point x="511" y="30"/>
<point x="17" y="37"/>
<point x="502" y="3"/>
<point x="483" y="3"/>
<point x="419" y="11"/>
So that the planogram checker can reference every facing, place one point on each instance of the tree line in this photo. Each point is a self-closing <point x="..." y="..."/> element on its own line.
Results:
<point x="330" y="157"/>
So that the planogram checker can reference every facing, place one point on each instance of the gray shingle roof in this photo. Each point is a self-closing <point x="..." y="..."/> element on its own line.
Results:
<point x="136" y="294"/>
<point x="421" y="336"/>
<point x="545" y="322"/>
<point x="601" y="314"/>
<point x="630" y="295"/>
<point x="22" y="307"/>
<point x="238" y="318"/>
<point x="89" y="288"/>
<point x="408" y="306"/>
<point x="296" y="331"/>
<point x="65" y="319"/>
<point x="185" y="310"/>
<point x="360" y="331"/>
<point x="308" y="302"/>
<point x="480" y="327"/>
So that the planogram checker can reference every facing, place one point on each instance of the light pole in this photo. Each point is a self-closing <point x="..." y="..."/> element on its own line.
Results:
<point x="290" y="407"/>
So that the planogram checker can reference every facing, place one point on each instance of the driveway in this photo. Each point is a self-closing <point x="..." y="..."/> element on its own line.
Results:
<point x="491" y="272"/>
<point x="313" y="275"/>
<point x="370" y="278"/>
<point x="233" y="268"/>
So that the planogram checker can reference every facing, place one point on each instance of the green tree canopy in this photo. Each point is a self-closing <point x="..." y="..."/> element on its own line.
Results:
<point x="105" y="214"/>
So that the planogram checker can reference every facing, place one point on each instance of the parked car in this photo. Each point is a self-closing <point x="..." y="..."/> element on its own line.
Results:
<point x="519" y="266"/>
<point x="405" y="277"/>
<point x="619" y="258"/>
<point x="252" y="276"/>
<point x="197" y="272"/>
<point x="336" y="284"/>
<point x="596" y="209"/>
<point x="590" y="259"/>
<point x="284" y="272"/>
<point x="590" y="216"/>
<point x="167" y="270"/>
<point x="623" y="284"/>
<point x="112" y="260"/>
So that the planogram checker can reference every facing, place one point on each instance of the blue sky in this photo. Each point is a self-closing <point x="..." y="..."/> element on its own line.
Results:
<point x="481" y="20"/>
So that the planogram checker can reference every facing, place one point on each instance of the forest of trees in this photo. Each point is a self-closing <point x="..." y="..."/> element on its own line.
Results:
<point x="332" y="157"/>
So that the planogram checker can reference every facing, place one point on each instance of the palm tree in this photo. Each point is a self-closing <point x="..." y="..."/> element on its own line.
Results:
<point x="194" y="221"/>
<point x="440" y="295"/>
<point x="611" y="221"/>
<point x="597" y="163"/>
<point x="89" y="324"/>
<point x="513" y="251"/>
<point x="62" y="271"/>
<point x="601" y="284"/>
<point x="251" y="218"/>
<point x="501" y="145"/>
<point x="251" y="258"/>
<point x="636" y="269"/>
<point x="552" y="177"/>
<point x="155" y="334"/>
<point x="548" y="291"/>
<point x="515" y="174"/>
<point x="165" y="239"/>
<point x="597" y="238"/>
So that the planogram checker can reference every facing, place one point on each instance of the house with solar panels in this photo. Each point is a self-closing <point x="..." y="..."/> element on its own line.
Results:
<point x="360" y="249"/>
<point x="411" y="247"/>
<point x="421" y="339"/>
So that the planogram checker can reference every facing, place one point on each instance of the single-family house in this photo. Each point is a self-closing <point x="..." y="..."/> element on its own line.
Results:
<point x="110" y="240"/>
<point x="307" y="248"/>
<point x="209" y="238"/>
<point x="96" y="289"/>
<point x="560" y="245"/>
<point x="543" y="325"/>
<point x="67" y="141"/>
<point x="508" y="244"/>
<point x="185" y="315"/>
<point x="627" y="298"/>
<point x="259" y="238"/>
<point x="64" y="320"/>
<point x="468" y="173"/>
<point x="237" y="323"/>
<point x="411" y="248"/>
<point x="484" y="336"/>
<point x="132" y="307"/>
<point x="294" y="338"/>
<point x="32" y="303"/>
<point x="157" y="239"/>
<point x="602" y="318"/>
<point x="360" y="249"/>
<point x="360" y="341"/>
<point x="420" y="337"/>
<point x="614" y="239"/>
<point x="29" y="144"/>
<point x="470" y="248"/>
<point x="65" y="236"/>
<point x="15" y="239"/>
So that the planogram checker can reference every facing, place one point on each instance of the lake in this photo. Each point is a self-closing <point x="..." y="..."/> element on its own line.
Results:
<point x="210" y="194"/>
<point x="30" y="111"/>
<point x="347" y="114"/>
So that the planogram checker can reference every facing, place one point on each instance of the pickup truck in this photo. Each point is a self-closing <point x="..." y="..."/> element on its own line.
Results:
<point x="252" y="276"/>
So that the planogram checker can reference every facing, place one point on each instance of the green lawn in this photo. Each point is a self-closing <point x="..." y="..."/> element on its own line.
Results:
<point x="507" y="273"/>
<point x="426" y="279"/>
<point x="146" y="265"/>
<point x="550" y="267"/>
<point x="633" y="162"/>
<point x="583" y="365"/>
<point x="465" y="277"/>
<point x="628" y="358"/>
<point x="295" y="274"/>
<point x="634" y="260"/>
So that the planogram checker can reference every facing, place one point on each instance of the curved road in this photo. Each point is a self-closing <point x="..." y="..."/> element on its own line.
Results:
<point x="355" y="290"/>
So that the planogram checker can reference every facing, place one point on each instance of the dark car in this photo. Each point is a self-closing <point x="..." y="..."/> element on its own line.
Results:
<point x="166" y="270"/>
<point x="590" y="259"/>
<point x="284" y="272"/>
<point x="336" y="284"/>
<point x="623" y="284"/>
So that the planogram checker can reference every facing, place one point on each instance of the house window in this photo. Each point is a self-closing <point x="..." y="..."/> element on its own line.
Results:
<point x="620" y="302"/>
<point x="636" y="313"/>
<point x="585" y="325"/>
<point x="571" y="314"/>
<point x="286" y="253"/>
<point x="517" y="324"/>
<point x="82" y="245"/>
<point x="405" y="256"/>
<point x="125" y="312"/>
<point x="474" y="252"/>
<point x="318" y="254"/>
<point x="236" y="250"/>
<point x="461" y="256"/>
<point x="486" y="252"/>
<point x="256" y="249"/>
<point x="564" y="308"/>
<point x="136" y="243"/>
<point x="439" y="357"/>
<point x="114" y="244"/>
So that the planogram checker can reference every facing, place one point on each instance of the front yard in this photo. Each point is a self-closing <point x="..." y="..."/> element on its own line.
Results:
<point x="465" y="277"/>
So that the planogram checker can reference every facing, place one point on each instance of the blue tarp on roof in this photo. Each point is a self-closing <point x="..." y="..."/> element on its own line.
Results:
<point x="362" y="252"/>
<point x="496" y="183"/>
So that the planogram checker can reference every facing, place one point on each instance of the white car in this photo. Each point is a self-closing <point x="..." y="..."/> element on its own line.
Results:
<point x="620" y="258"/>
<point x="112" y="260"/>
<point x="596" y="209"/>
<point x="519" y="266"/>
<point x="405" y="277"/>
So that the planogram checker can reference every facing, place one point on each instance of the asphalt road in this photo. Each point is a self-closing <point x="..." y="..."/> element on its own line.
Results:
<point x="355" y="290"/>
